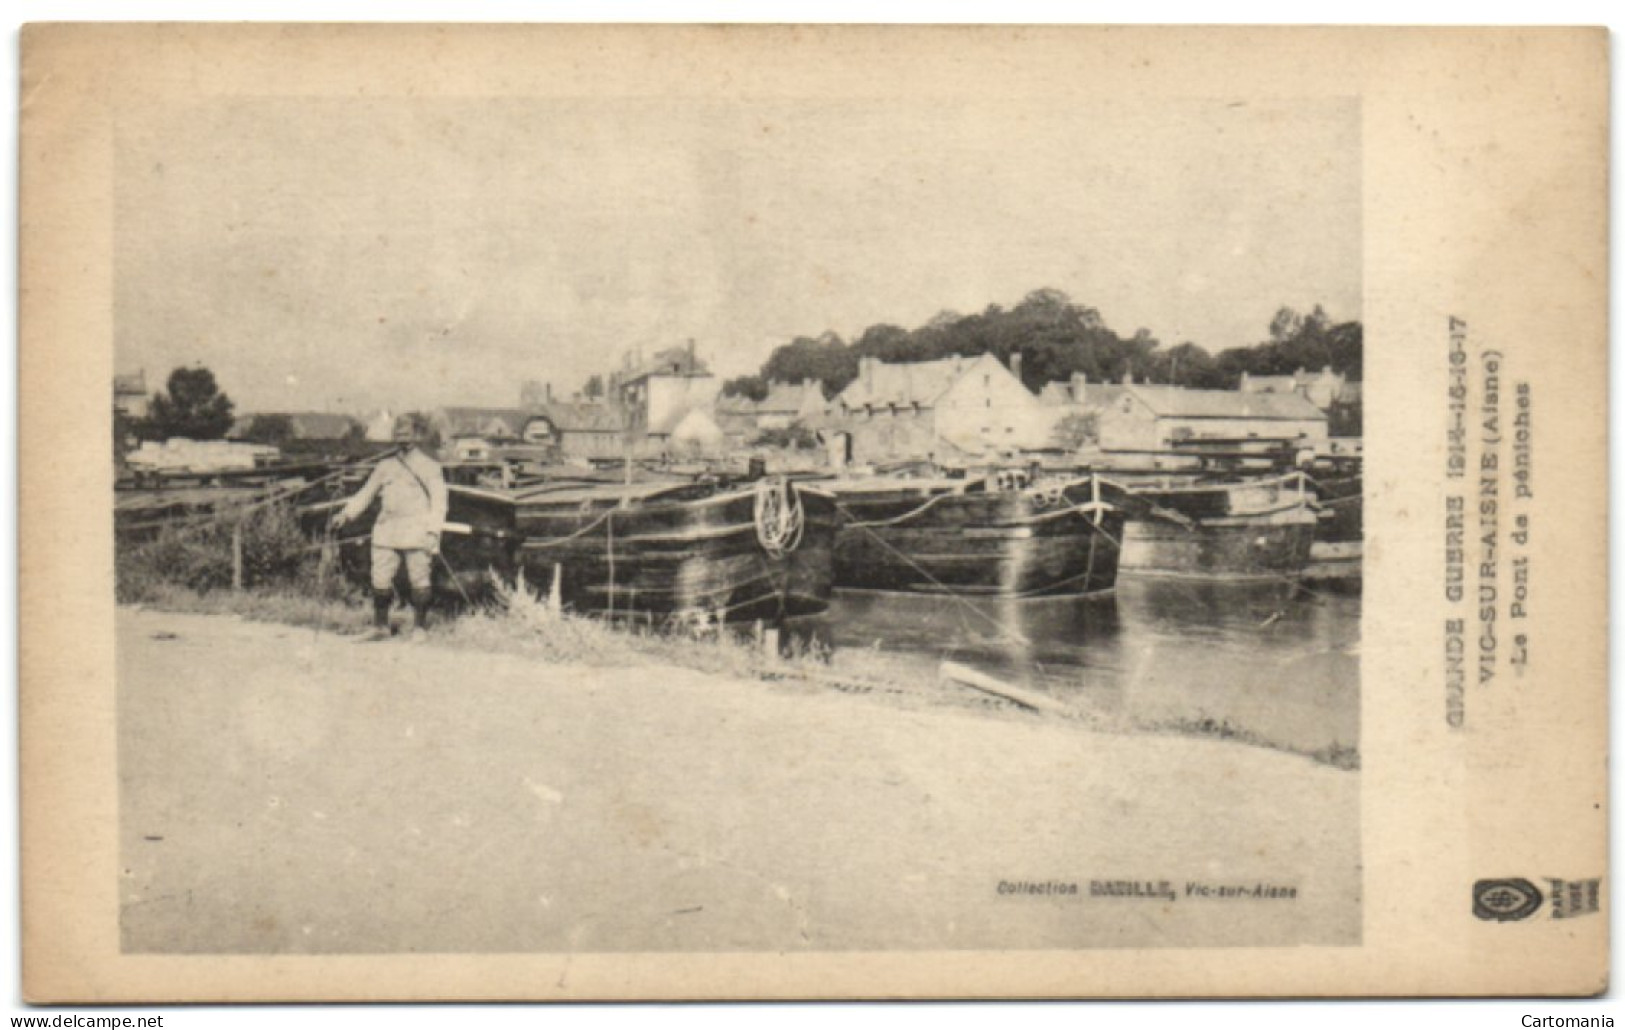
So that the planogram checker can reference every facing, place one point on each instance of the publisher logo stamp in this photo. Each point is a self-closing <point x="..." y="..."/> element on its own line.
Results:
<point x="1505" y="901"/>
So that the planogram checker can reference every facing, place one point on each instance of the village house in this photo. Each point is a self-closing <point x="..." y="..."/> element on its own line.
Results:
<point x="1076" y="396"/>
<point x="786" y="404"/>
<point x="736" y="416"/>
<point x="659" y="395"/>
<point x="972" y="406"/>
<point x="469" y="433"/>
<point x="1323" y="388"/>
<point x="569" y="429"/>
<point x="577" y="429"/>
<point x="656" y="394"/>
<point x="130" y="397"/>
<point x="695" y="434"/>
<point x="1163" y="418"/>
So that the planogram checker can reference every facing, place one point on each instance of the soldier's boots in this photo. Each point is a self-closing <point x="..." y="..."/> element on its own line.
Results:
<point x="381" y="601"/>
<point x="420" y="615"/>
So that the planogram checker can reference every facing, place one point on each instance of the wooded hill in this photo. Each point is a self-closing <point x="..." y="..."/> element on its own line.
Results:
<point x="1057" y="337"/>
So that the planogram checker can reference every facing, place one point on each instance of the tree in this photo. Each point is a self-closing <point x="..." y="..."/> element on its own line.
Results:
<point x="1185" y="365"/>
<point x="1077" y="431"/>
<point x="274" y="430"/>
<point x="750" y="387"/>
<point x="826" y="359"/>
<point x="1345" y="419"/>
<point x="1058" y="337"/>
<point x="793" y="437"/>
<point x="1286" y="324"/>
<point x="594" y="388"/>
<point x="191" y="406"/>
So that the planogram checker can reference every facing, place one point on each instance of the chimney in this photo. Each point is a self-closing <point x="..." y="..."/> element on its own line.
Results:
<point x="1015" y="363"/>
<point x="866" y="371"/>
<point x="1079" y="383"/>
<point x="693" y="359"/>
<point x="547" y="392"/>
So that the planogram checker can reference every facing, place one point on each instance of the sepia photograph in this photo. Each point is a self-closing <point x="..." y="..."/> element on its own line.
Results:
<point x="678" y="495"/>
<point x="634" y="525"/>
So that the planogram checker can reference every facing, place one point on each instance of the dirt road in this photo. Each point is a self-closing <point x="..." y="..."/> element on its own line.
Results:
<point x="289" y="791"/>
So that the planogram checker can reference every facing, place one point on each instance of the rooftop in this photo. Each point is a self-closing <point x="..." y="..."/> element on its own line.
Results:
<point x="1178" y="402"/>
<point x="908" y="383"/>
<point x="579" y="417"/>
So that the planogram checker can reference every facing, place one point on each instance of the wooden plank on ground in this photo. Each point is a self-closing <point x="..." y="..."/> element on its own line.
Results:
<point x="965" y="675"/>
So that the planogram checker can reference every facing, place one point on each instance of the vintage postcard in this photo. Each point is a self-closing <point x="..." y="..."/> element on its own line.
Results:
<point x="572" y="512"/>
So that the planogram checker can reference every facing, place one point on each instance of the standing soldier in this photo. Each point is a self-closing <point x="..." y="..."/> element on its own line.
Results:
<point x="412" y="510"/>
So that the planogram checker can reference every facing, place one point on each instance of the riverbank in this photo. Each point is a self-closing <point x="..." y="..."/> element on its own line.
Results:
<point x="513" y="621"/>
<point x="291" y="789"/>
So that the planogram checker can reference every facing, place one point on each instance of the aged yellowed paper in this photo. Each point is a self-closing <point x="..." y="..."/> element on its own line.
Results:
<point x="1176" y="786"/>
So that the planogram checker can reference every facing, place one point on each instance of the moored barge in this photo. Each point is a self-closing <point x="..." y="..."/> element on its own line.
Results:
<point x="1338" y="549"/>
<point x="1245" y="529"/>
<point x="734" y="552"/>
<point x="956" y="536"/>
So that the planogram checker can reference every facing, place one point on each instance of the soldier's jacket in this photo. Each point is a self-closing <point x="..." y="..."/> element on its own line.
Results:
<point x="412" y="490"/>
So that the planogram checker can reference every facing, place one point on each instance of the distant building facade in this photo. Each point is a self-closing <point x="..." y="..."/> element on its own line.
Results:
<point x="569" y="429"/>
<point x="696" y="435"/>
<point x="469" y="433"/>
<point x="1163" y="418"/>
<point x="578" y="429"/>
<point x="789" y="403"/>
<point x="786" y="405"/>
<point x="934" y="408"/>
<point x="1322" y="389"/>
<point x="658" y="393"/>
<point x="130" y="397"/>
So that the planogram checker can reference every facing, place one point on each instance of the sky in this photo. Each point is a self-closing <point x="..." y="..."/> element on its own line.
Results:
<point x="360" y="253"/>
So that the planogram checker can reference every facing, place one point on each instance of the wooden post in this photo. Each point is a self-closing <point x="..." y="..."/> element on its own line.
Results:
<point x="609" y="541"/>
<point x="237" y="557"/>
<point x="555" y="596"/>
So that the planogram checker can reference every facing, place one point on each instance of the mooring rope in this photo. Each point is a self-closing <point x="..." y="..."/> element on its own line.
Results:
<point x="1003" y="631"/>
<point x="780" y="519"/>
<point x="531" y="543"/>
<point x="204" y="520"/>
<point x="911" y="513"/>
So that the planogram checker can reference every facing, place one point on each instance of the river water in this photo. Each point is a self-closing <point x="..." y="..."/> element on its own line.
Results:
<point x="1274" y="663"/>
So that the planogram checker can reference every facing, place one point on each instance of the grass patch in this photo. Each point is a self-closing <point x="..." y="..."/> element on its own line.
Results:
<point x="517" y="618"/>
<point x="285" y="605"/>
<point x="276" y="556"/>
<point x="292" y="584"/>
<point x="1337" y="755"/>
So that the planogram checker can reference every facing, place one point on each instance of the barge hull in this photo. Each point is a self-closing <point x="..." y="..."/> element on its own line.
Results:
<point x="1076" y="557"/>
<point x="688" y="557"/>
<point x="1065" y="541"/>
<point x="1237" y="549"/>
